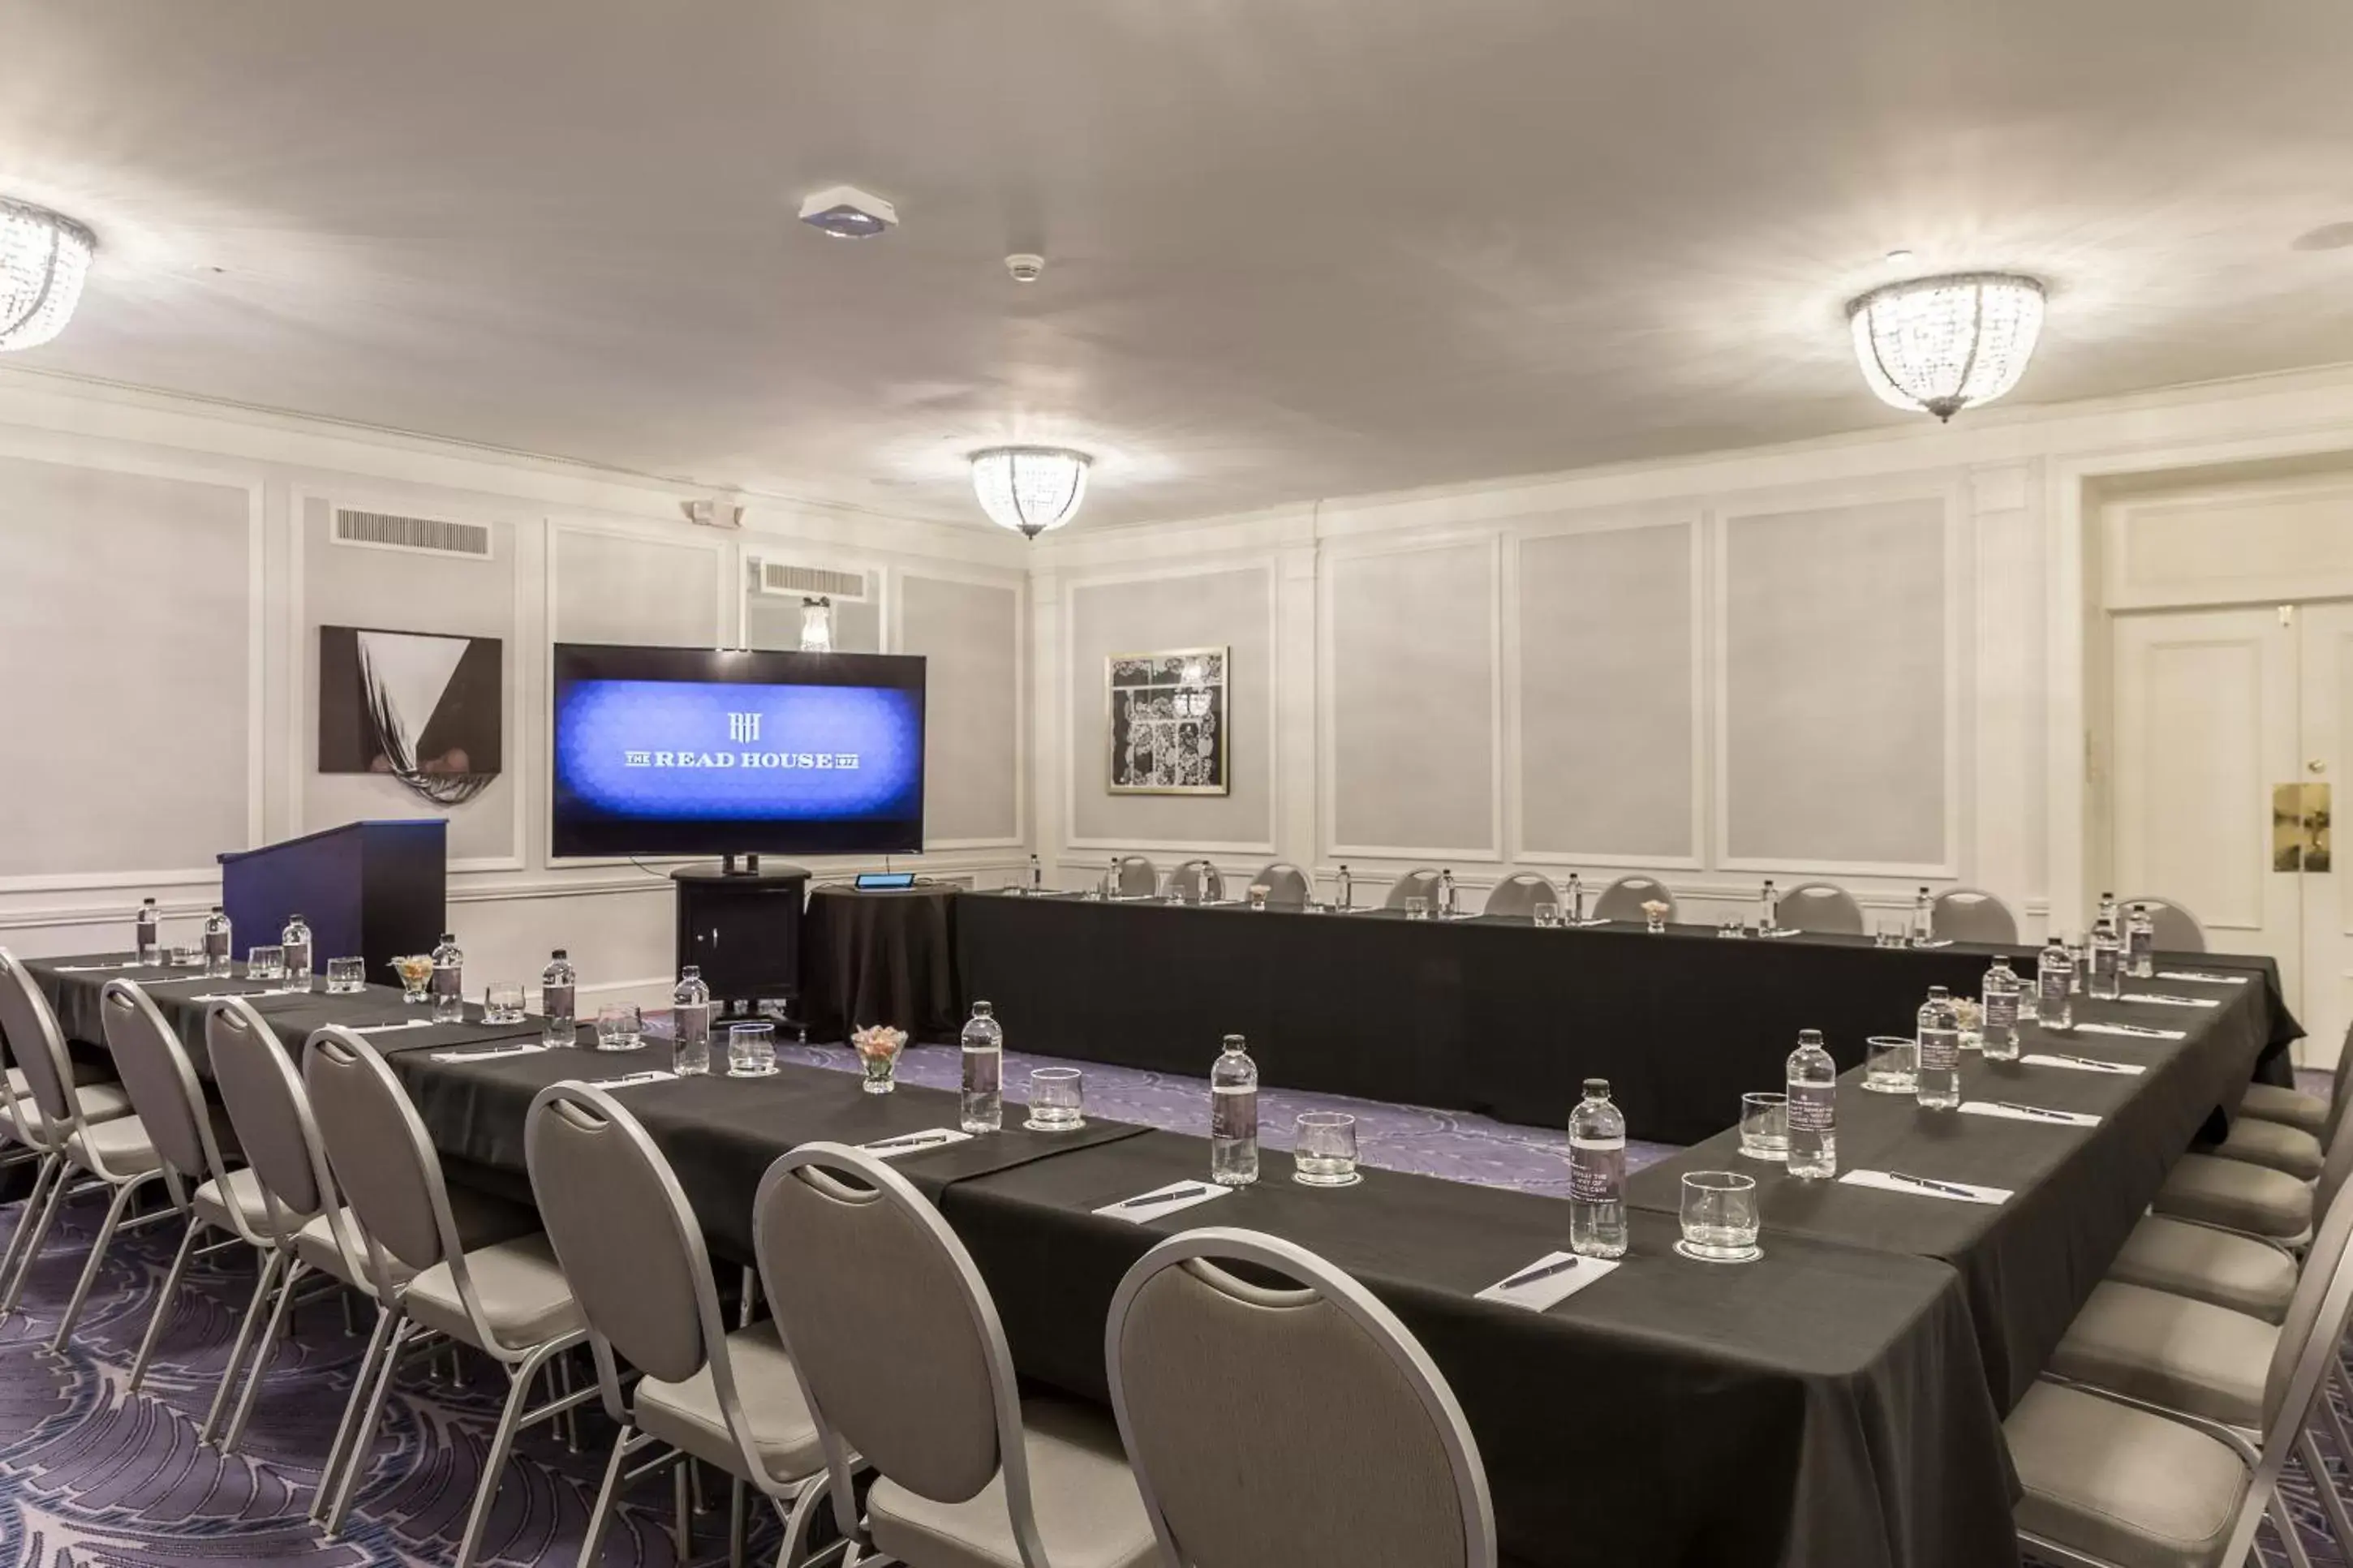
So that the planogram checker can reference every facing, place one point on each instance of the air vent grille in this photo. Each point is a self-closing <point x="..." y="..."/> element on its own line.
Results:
<point x="430" y="536"/>
<point x="810" y="582"/>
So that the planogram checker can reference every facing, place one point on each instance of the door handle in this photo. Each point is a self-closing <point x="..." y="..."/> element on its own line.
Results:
<point x="2300" y="828"/>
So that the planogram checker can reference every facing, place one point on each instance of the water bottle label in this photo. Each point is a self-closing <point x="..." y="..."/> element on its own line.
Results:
<point x="446" y="979"/>
<point x="298" y="958"/>
<point x="2002" y="1008"/>
<point x="1940" y="1050"/>
<point x="1813" y="1108"/>
<point x="2053" y="986"/>
<point x="1597" y="1170"/>
<point x="555" y="1001"/>
<point x="215" y="944"/>
<point x="691" y="1023"/>
<point x="1234" y="1115"/>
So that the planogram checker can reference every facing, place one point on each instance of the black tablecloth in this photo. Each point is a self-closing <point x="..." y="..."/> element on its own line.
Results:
<point x="1491" y="1016"/>
<point x="2030" y="1263"/>
<point x="881" y="957"/>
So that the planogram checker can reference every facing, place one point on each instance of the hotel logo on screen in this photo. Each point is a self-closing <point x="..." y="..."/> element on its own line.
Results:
<point x="742" y="728"/>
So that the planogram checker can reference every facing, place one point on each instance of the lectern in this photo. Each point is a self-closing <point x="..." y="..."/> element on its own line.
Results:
<point x="369" y="890"/>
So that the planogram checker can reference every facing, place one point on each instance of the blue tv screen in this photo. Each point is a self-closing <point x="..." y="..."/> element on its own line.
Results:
<point x="688" y="752"/>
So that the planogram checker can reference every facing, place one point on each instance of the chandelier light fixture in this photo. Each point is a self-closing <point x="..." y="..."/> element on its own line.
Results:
<point x="1030" y="488"/>
<point x="43" y="259"/>
<point x="1943" y="344"/>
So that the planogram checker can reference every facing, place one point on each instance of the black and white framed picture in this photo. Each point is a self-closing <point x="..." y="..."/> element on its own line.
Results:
<point x="1169" y="721"/>
<point x="422" y="707"/>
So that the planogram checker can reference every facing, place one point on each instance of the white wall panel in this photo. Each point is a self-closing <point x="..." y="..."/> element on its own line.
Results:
<point x="970" y="634"/>
<point x="621" y="588"/>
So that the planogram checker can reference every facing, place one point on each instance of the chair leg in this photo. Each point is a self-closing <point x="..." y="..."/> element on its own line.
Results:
<point x="363" y="1434"/>
<point x="27" y="1217"/>
<point x="35" y="1234"/>
<point x="264" y="1350"/>
<point x="795" y="1548"/>
<point x="560" y="1374"/>
<point x="592" y="1541"/>
<point x="2325" y="1489"/>
<point x="682" y="1487"/>
<point x="736" y="1490"/>
<point x="494" y="1461"/>
<point x="253" y="1315"/>
<point x="164" y="1297"/>
<point x="363" y="1380"/>
<point x="2283" y="1520"/>
<point x="90" y="1271"/>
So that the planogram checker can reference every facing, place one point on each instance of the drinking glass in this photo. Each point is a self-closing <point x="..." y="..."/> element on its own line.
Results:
<point x="751" y="1050"/>
<point x="1719" y="1217"/>
<point x="1891" y="1064"/>
<point x="1889" y="932"/>
<point x="502" y="1002"/>
<point x="1654" y="916"/>
<point x="187" y="957"/>
<point x="1764" y="1126"/>
<point x="1732" y="928"/>
<point x="1056" y="1100"/>
<point x="617" y="1026"/>
<point x="415" y="971"/>
<point x="1972" y="1016"/>
<point x="1324" y="1148"/>
<point x="265" y="963"/>
<point x="1417" y="909"/>
<point x="1258" y="894"/>
<point x="1548" y="914"/>
<point x="345" y="975"/>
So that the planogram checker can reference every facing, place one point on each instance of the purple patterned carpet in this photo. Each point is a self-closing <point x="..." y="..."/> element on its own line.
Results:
<point x="92" y="1474"/>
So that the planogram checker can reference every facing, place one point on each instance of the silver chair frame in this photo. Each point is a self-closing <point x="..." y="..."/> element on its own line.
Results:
<point x="1958" y="901"/>
<point x="1138" y="878"/>
<point x="1623" y="899"/>
<point x="2156" y="905"/>
<point x="1520" y="893"/>
<point x="1287" y="887"/>
<point x="1198" y="881"/>
<point x="1824" y="908"/>
<point x="1421" y="882"/>
<point x="1214" y="1245"/>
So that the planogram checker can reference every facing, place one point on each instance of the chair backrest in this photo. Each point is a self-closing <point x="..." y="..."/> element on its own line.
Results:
<point x="2336" y="1165"/>
<point x="1419" y="883"/>
<point x="895" y="1340"/>
<point x="267" y="1107"/>
<point x="2178" y="931"/>
<point x="1138" y="878"/>
<point x="1355" y="1451"/>
<point x="2301" y="1357"/>
<point x="1287" y="887"/>
<point x="1823" y="906"/>
<point x="1198" y="882"/>
<point x="1520" y="893"/>
<point x="383" y="1163"/>
<point x="1623" y="899"/>
<point x="40" y="1048"/>
<point x="159" y="1080"/>
<point x="1972" y="914"/>
<point x="2338" y="1084"/>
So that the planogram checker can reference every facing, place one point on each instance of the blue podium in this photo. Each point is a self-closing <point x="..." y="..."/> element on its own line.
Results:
<point x="368" y="889"/>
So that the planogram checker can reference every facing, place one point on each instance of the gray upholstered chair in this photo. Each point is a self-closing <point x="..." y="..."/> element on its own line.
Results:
<point x="1138" y="878"/>
<point x="2319" y="1117"/>
<point x="1519" y="894"/>
<point x="1356" y="1451"/>
<point x="509" y="1299"/>
<point x="1824" y="908"/>
<point x="1198" y="882"/>
<point x="1972" y="914"/>
<point x="2141" y="1456"/>
<point x="2178" y="931"/>
<point x="1623" y="899"/>
<point x="117" y="1153"/>
<point x="902" y="1360"/>
<point x="633" y="1253"/>
<point x="25" y="1018"/>
<point x="1287" y="887"/>
<point x="1419" y="883"/>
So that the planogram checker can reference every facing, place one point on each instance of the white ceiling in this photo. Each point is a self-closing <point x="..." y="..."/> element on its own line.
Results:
<point x="1296" y="248"/>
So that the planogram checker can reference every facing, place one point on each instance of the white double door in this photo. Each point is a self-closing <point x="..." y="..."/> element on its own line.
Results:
<point x="2233" y="731"/>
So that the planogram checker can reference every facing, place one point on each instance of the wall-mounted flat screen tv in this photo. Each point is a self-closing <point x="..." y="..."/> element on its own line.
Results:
<point x="665" y="751"/>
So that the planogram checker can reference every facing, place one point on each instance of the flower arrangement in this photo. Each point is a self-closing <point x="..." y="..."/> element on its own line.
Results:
<point x="415" y="971"/>
<point x="878" y="1047"/>
<point x="1655" y="911"/>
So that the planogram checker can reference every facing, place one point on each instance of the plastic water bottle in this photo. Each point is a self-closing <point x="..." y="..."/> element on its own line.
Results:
<point x="1346" y="888"/>
<point x="1937" y="1084"/>
<point x="2054" y="981"/>
<point x="296" y="940"/>
<point x="1597" y="1174"/>
<point x="2108" y="915"/>
<point x="1769" y="910"/>
<point x="1233" y="1116"/>
<point x="150" y="943"/>
<point x="2106" y="951"/>
<point x="689" y="1023"/>
<point x="1812" y="1081"/>
<point x="1997" y="1028"/>
<point x="983" y="1106"/>
<point x="1924" y="919"/>
<point x="216" y="935"/>
<point x="2140" y="942"/>
<point x="448" y="980"/>
<point x="1446" y="894"/>
<point x="1037" y="875"/>
<point x="1111" y="880"/>
<point x="559" y="987"/>
<point x="1576" y="900"/>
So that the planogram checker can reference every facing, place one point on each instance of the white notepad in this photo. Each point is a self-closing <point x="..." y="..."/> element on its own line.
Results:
<point x="1537" y="1295"/>
<point x="1175" y="1195"/>
<point x="2080" y="1064"/>
<point x="2048" y="1116"/>
<point x="1938" y="1187"/>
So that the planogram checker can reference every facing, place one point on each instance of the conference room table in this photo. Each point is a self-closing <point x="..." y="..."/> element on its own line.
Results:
<point x="1493" y="1014"/>
<point x="1837" y="1402"/>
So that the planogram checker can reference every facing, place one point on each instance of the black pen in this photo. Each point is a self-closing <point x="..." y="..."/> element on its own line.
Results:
<point x="1531" y="1275"/>
<point x="1933" y="1186"/>
<point x="1149" y="1199"/>
<point x="2034" y="1110"/>
<point x="2092" y="1062"/>
<point x="909" y="1143"/>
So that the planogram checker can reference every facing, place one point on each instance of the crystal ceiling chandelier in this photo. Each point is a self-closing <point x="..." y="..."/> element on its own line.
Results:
<point x="1943" y="344"/>
<point x="43" y="259"/>
<point x="1029" y="489"/>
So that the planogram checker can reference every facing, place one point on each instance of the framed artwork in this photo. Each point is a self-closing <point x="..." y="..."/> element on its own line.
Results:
<point x="423" y="708"/>
<point x="1169" y="721"/>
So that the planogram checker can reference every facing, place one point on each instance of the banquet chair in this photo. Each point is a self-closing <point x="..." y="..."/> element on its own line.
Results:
<point x="1822" y="906"/>
<point x="1420" y="883"/>
<point x="2111" y="1481"/>
<point x="1287" y="887"/>
<point x="1393" y="1482"/>
<point x="1198" y="882"/>
<point x="902" y="1359"/>
<point x="2178" y="931"/>
<point x="2274" y="1102"/>
<point x="507" y="1299"/>
<point x="1138" y="878"/>
<point x="2252" y="1198"/>
<point x="1972" y="914"/>
<point x="1520" y="893"/>
<point x="21" y="1126"/>
<point x="634" y="1252"/>
<point x="116" y="1153"/>
<point x="1623" y="899"/>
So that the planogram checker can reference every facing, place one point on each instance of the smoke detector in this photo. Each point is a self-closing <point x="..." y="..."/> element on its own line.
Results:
<point x="845" y="212"/>
<point x="1025" y="268"/>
